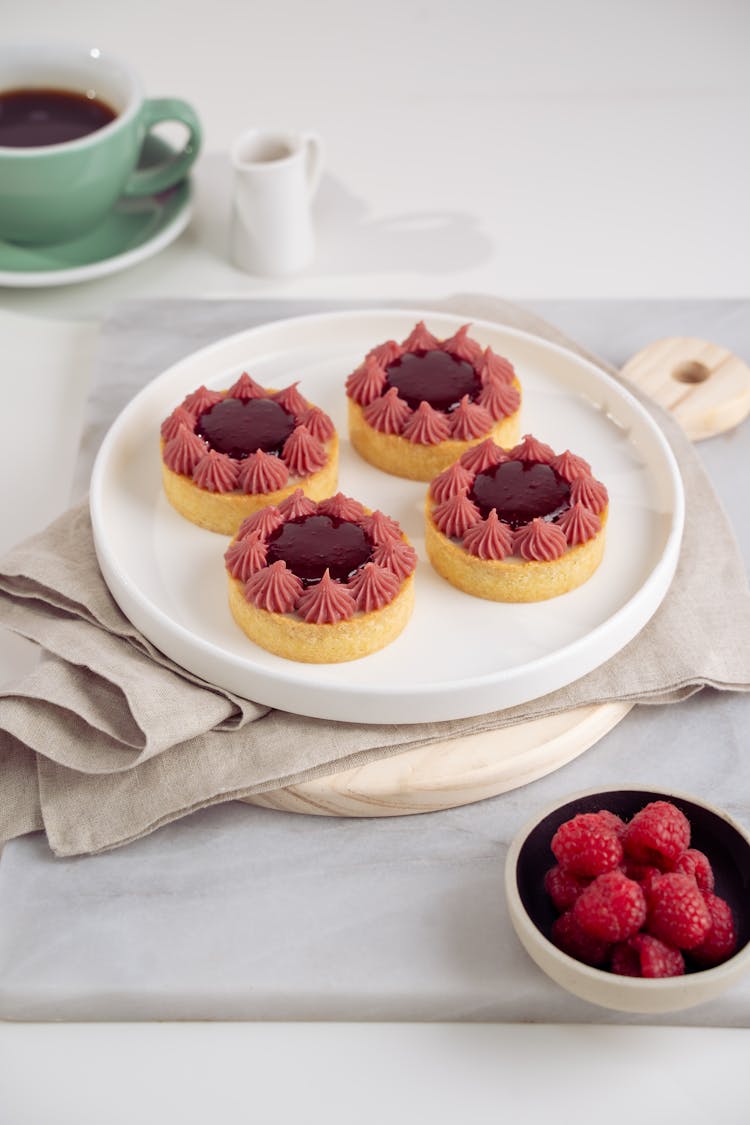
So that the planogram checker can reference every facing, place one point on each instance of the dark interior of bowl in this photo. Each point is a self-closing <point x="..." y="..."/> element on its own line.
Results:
<point x="727" y="850"/>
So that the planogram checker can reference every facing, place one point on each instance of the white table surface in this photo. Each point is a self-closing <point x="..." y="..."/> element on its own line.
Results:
<point x="532" y="150"/>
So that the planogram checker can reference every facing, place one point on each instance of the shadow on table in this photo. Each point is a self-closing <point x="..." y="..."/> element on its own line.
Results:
<point x="417" y="242"/>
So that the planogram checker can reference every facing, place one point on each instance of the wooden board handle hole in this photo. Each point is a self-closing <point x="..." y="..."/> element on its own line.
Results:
<point x="692" y="371"/>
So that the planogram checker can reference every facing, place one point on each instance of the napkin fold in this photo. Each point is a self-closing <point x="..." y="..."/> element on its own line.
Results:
<point x="107" y="739"/>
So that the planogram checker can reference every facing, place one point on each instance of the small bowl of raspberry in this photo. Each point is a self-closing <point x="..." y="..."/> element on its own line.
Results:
<point x="633" y="899"/>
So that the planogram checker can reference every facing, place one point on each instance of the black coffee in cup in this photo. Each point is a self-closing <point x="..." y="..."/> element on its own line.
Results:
<point x="37" y="117"/>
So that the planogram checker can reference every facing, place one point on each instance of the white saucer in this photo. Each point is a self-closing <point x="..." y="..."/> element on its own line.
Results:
<point x="134" y="230"/>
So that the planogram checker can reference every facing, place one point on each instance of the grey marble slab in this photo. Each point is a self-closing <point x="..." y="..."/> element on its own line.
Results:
<point x="243" y="913"/>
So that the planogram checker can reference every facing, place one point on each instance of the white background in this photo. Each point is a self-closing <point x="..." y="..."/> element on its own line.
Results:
<point x="529" y="149"/>
<point x="534" y="148"/>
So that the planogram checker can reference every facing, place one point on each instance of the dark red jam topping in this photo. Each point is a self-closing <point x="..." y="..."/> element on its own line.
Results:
<point x="240" y="428"/>
<point x="313" y="544"/>
<point x="434" y="377"/>
<point x="520" y="491"/>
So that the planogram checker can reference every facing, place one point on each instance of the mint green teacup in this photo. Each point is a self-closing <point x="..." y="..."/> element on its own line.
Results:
<point x="55" y="192"/>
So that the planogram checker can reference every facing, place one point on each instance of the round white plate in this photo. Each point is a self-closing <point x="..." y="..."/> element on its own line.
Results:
<point x="458" y="656"/>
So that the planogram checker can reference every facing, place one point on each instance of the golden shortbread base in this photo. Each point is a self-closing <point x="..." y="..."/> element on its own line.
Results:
<point x="511" y="580"/>
<point x="340" y="641"/>
<point x="223" y="512"/>
<point x="394" y="454"/>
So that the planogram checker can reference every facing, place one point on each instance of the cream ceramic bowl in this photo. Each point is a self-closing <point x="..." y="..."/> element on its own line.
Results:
<point x="723" y="840"/>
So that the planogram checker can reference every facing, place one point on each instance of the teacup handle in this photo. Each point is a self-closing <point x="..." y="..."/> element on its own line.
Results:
<point x="148" y="181"/>
<point x="313" y="146"/>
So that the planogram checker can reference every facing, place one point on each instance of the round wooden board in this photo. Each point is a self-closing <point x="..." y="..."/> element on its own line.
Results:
<point x="444" y="775"/>
<point x="708" y="390"/>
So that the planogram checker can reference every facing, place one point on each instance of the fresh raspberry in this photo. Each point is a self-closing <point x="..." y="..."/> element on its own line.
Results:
<point x="624" y="960"/>
<point x="645" y="956"/>
<point x="586" y="845"/>
<point x="612" y="908"/>
<point x="568" y="936"/>
<point x="563" y="888"/>
<point x="695" y="863"/>
<point x="643" y="874"/>
<point x="677" y="912"/>
<point x="657" y="835"/>
<point x="613" y="821"/>
<point x="721" y="941"/>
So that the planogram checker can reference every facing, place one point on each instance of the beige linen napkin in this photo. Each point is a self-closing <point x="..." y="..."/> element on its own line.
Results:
<point x="108" y="739"/>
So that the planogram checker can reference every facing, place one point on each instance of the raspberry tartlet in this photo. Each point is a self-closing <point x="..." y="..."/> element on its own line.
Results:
<point x="517" y="525"/>
<point x="227" y="453"/>
<point x="320" y="582"/>
<point x="416" y="406"/>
